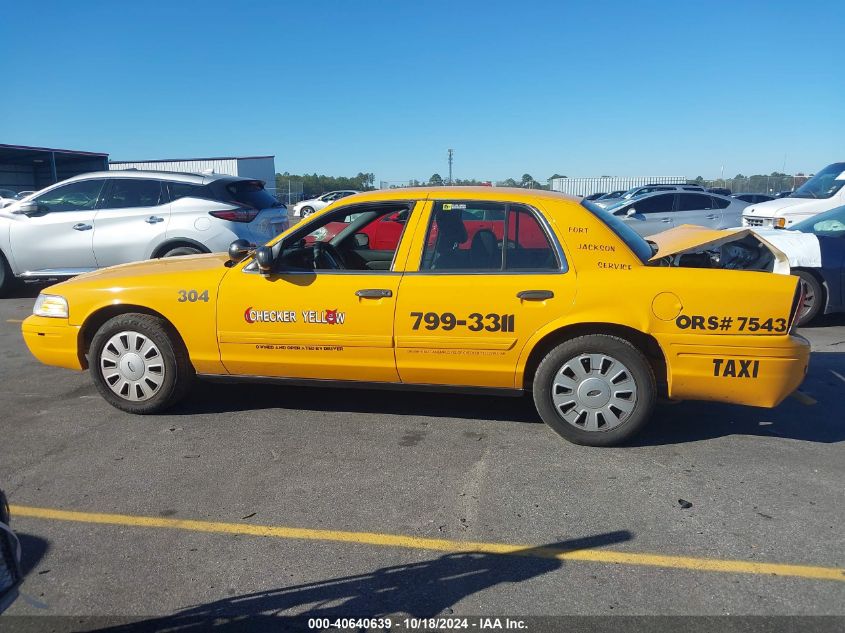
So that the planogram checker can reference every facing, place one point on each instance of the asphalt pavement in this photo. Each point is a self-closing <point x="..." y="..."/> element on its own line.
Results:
<point x="331" y="502"/>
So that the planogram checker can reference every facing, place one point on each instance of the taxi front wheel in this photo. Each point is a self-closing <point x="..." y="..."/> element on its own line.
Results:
<point x="138" y="365"/>
<point x="595" y="390"/>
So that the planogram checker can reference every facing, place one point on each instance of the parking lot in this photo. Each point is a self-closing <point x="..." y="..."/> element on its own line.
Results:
<point x="330" y="502"/>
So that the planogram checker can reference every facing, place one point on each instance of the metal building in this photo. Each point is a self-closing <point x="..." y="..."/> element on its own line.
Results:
<point x="258" y="167"/>
<point x="24" y="168"/>
<point x="606" y="184"/>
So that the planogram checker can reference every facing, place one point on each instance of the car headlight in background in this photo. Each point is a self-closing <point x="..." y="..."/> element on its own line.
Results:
<point x="50" y="306"/>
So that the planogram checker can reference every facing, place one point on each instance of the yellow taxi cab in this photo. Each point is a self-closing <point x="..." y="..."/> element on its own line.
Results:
<point x="481" y="289"/>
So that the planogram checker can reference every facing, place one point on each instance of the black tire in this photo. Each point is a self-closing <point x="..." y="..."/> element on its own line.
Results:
<point x="7" y="279"/>
<point x="181" y="250"/>
<point x="637" y="381"/>
<point x="304" y="212"/>
<point x="177" y="373"/>
<point x="814" y="298"/>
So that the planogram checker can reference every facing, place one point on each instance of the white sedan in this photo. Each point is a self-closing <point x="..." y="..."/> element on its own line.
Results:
<point x="306" y="207"/>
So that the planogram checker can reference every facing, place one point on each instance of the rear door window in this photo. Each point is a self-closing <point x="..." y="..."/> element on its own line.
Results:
<point x="655" y="204"/>
<point x="184" y="190"/>
<point x="694" y="202"/>
<point x="128" y="193"/>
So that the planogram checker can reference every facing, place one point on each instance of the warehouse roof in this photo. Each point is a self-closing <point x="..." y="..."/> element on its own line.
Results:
<point x="25" y="151"/>
<point x="184" y="160"/>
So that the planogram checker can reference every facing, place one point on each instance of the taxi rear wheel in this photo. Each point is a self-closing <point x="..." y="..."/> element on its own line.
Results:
<point x="595" y="390"/>
<point x="139" y="365"/>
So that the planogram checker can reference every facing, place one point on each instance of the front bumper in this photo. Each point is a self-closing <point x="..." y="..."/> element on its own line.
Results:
<point x="758" y="371"/>
<point x="53" y="341"/>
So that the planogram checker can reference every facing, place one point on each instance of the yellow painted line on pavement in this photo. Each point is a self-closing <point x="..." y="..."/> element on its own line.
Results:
<point x="443" y="545"/>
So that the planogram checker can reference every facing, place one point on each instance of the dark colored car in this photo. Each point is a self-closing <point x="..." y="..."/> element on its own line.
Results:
<point x="753" y="198"/>
<point x="783" y="194"/>
<point x="824" y="286"/>
<point x="722" y="191"/>
<point x="595" y="196"/>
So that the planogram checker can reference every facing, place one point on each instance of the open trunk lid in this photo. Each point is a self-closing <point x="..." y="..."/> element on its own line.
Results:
<point x="699" y="247"/>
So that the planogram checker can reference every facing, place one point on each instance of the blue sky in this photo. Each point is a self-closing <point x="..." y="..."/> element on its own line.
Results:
<point x="579" y="88"/>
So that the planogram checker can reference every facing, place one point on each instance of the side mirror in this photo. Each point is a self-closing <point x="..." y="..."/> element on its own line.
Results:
<point x="239" y="249"/>
<point x="264" y="259"/>
<point x="362" y="240"/>
<point x="631" y="212"/>
<point x="30" y="207"/>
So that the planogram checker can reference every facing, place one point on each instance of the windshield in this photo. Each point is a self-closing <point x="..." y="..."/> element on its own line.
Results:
<point x="824" y="184"/>
<point x="830" y="223"/>
<point x="252" y="194"/>
<point x="624" y="232"/>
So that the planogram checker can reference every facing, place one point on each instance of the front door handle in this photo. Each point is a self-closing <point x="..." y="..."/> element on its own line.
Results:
<point x="373" y="293"/>
<point x="154" y="219"/>
<point x="712" y="217"/>
<point x="535" y="295"/>
<point x="82" y="227"/>
<point x="667" y="220"/>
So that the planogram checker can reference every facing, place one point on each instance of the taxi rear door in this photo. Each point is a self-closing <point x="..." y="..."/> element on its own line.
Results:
<point x="469" y="300"/>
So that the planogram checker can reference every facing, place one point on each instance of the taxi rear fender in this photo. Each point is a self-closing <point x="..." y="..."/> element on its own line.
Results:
<point x="96" y="319"/>
<point x="556" y="333"/>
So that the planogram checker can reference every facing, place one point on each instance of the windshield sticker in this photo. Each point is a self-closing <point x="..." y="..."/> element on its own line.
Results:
<point x="448" y="206"/>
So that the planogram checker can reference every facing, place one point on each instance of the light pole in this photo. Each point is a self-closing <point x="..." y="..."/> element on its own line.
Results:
<point x="451" y="152"/>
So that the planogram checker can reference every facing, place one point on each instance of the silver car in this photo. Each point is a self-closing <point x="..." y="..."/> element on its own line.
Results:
<point x="642" y="190"/>
<point x="656" y="212"/>
<point x="306" y="207"/>
<point x="105" y="218"/>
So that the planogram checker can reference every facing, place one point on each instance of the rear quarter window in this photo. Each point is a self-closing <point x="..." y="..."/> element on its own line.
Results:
<point x="251" y="193"/>
<point x="629" y="236"/>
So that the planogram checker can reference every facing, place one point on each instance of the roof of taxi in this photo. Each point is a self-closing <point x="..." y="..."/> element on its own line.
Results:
<point x="460" y="193"/>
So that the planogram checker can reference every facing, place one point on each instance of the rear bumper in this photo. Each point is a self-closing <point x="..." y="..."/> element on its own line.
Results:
<point x="53" y="341"/>
<point x="758" y="371"/>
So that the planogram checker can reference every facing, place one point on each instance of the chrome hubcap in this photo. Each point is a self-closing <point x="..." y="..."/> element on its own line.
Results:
<point x="132" y="366"/>
<point x="594" y="392"/>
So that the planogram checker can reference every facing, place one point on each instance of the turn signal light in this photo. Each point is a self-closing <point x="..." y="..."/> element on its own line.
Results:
<point x="779" y="223"/>
<point x="236" y="215"/>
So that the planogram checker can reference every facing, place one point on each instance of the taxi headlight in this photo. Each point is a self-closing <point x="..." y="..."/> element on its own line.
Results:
<point x="50" y="306"/>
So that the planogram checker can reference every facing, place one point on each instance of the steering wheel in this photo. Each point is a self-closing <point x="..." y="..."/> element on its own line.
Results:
<point x="327" y="256"/>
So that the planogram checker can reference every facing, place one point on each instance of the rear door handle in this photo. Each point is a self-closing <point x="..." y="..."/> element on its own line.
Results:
<point x="535" y="295"/>
<point x="82" y="227"/>
<point x="667" y="220"/>
<point x="373" y="293"/>
<point x="712" y="217"/>
<point x="154" y="219"/>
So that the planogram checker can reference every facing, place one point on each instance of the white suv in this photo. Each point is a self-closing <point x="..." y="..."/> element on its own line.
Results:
<point x="105" y="218"/>
<point x="824" y="191"/>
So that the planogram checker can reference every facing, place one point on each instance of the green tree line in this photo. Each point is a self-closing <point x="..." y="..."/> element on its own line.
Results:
<point x="315" y="184"/>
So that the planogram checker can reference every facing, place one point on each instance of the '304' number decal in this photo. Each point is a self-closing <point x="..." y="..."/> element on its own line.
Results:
<point x="192" y="296"/>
